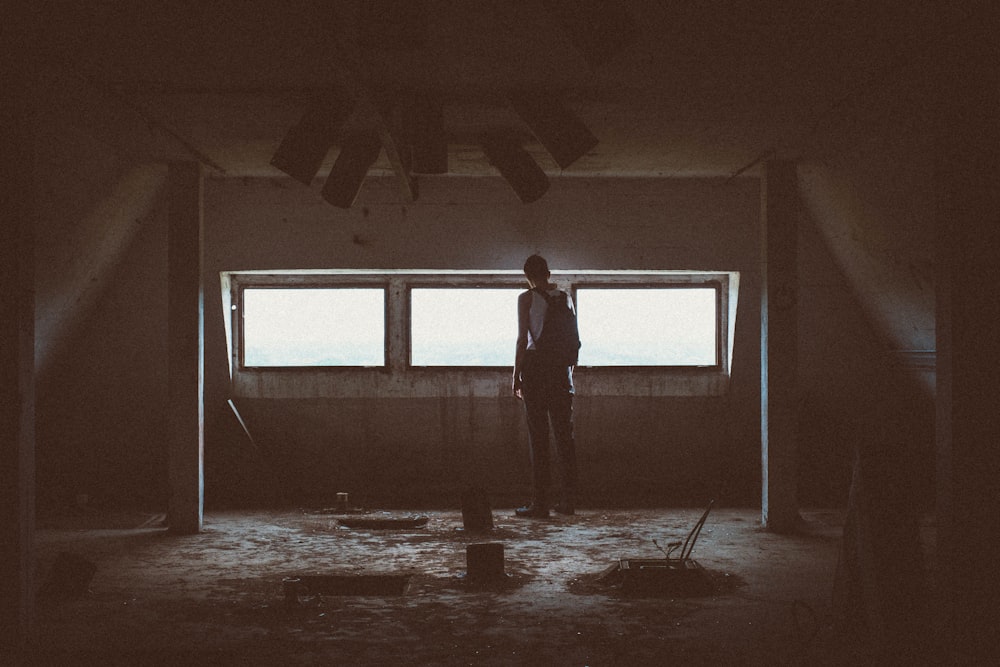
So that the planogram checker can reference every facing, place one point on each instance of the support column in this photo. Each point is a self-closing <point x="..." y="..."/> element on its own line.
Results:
<point x="17" y="386"/>
<point x="968" y="344"/>
<point x="186" y="349"/>
<point x="778" y="346"/>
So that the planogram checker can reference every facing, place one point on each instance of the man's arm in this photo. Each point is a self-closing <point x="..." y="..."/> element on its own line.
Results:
<point x="523" y="308"/>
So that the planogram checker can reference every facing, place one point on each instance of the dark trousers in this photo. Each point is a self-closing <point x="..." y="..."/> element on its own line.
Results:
<point x="548" y="399"/>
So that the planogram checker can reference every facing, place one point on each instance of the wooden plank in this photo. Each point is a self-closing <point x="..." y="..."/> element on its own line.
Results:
<point x="423" y="120"/>
<point x="562" y="134"/>
<point x="517" y="167"/>
<point x="390" y="131"/>
<point x="306" y="143"/>
<point x="348" y="173"/>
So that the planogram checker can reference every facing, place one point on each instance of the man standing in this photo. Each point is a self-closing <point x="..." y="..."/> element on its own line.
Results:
<point x="547" y="345"/>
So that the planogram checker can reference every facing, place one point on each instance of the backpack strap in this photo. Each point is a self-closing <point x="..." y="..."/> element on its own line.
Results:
<point x="545" y="295"/>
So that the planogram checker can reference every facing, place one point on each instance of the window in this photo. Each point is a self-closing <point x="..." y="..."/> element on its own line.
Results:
<point x="309" y="326"/>
<point x="464" y="326"/>
<point x="422" y="333"/>
<point x="665" y="326"/>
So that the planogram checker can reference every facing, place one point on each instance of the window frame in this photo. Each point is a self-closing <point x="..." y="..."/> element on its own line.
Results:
<point x="719" y="343"/>
<point x="492" y="284"/>
<point x="241" y="349"/>
<point x="399" y="378"/>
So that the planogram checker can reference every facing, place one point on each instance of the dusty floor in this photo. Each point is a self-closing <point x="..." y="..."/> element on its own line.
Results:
<point x="217" y="597"/>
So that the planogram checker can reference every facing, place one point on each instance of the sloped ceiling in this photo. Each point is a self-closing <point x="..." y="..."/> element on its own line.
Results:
<point x="704" y="88"/>
<point x="709" y="88"/>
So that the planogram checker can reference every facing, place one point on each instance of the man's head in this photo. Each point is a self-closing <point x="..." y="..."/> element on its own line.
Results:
<point x="536" y="270"/>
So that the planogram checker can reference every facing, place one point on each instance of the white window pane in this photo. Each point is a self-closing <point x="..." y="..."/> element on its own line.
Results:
<point x="314" y="327"/>
<point x="647" y="327"/>
<point x="463" y="326"/>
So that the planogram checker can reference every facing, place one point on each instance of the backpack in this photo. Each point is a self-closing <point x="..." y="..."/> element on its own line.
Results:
<point x="560" y="339"/>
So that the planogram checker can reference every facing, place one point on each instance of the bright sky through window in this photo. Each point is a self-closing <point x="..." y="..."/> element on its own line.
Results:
<point x="314" y="327"/>
<point x="472" y="326"/>
<point x="647" y="327"/>
<point x="463" y="326"/>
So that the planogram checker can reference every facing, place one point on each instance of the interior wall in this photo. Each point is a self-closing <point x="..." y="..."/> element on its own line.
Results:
<point x="855" y="396"/>
<point x="103" y="418"/>
<point x="86" y="225"/>
<point x="100" y="318"/>
<point x="102" y="404"/>
<point x="634" y="450"/>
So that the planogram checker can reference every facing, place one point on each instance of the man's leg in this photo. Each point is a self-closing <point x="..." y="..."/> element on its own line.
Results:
<point x="538" y="443"/>
<point x="561" y="409"/>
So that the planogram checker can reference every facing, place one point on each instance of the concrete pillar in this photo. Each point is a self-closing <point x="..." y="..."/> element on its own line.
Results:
<point x="186" y="349"/>
<point x="778" y="346"/>
<point x="968" y="345"/>
<point x="17" y="385"/>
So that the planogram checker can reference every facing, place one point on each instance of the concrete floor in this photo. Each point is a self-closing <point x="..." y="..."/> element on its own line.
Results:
<point x="217" y="597"/>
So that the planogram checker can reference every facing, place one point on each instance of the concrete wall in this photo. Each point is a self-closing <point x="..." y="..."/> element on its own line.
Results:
<point x="102" y="419"/>
<point x="102" y="415"/>
<point x="424" y="449"/>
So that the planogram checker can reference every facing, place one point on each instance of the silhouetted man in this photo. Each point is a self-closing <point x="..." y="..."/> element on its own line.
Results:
<point x="543" y="379"/>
